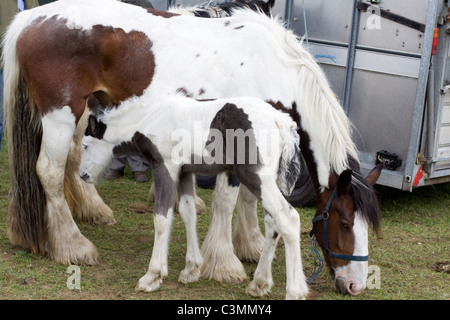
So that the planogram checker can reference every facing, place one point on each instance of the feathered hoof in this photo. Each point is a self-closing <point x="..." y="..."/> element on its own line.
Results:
<point x="259" y="288"/>
<point x="223" y="272"/>
<point x="78" y="252"/>
<point x="187" y="276"/>
<point x="149" y="282"/>
<point x="248" y="249"/>
<point x="295" y="296"/>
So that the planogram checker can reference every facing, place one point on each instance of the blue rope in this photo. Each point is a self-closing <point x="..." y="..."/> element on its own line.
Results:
<point x="318" y="261"/>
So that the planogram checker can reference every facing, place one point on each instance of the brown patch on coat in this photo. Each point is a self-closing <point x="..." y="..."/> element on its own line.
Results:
<point x="164" y="14"/>
<point x="63" y="66"/>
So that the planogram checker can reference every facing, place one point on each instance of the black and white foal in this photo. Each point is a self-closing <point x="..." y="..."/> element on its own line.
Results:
<point x="181" y="136"/>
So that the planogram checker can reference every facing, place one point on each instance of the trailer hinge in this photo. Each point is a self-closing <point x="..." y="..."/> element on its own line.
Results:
<point x="421" y="159"/>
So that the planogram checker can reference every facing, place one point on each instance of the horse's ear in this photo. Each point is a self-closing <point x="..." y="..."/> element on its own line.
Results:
<point x="373" y="176"/>
<point x="344" y="181"/>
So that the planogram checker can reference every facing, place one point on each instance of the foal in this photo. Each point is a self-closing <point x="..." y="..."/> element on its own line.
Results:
<point x="179" y="137"/>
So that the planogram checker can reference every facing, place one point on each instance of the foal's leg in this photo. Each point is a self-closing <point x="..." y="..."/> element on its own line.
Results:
<point x="66" y="244"/>
<point x="286" y="222"/>
<point x="248" y="240"/>
<point x="262" y="282"/>
<point x="219" y="259"/>
<point x="83" y="198"/>
<point x="199" y="203"/>
<point x="163" y="213"/>
<point x="186" y="207"/>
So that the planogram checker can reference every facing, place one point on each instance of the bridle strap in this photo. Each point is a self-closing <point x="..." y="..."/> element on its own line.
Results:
<point x="326" y="250"/>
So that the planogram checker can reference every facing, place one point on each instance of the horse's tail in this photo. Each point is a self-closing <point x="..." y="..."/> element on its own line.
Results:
<point x="289" y="167"/>
<point x="26" y="226"/>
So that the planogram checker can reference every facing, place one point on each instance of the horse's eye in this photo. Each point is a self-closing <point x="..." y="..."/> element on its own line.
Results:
<point x="345" y="225"/>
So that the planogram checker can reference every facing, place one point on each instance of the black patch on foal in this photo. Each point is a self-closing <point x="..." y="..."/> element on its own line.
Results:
<point x="164" y="185"/>
<point x="234" y="118"/>
<point x="233" y="181"/>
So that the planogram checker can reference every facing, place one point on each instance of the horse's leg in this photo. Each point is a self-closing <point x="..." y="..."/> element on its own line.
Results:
<point x="286" y="222"/>
<point x="66" y="244"/>
<point x="163" y="214"/>
<point x="186" y="208"/>
<point x="248" y="240"/>
<point x="219" y="259"/>
<point x="85" y="202"/>
<point x="199" y="203"/>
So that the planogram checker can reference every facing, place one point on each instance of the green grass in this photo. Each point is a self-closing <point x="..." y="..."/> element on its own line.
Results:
<point x="411" y="252"/>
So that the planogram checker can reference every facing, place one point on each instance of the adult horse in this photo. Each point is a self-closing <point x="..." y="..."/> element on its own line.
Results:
<point x="57" y="55"/>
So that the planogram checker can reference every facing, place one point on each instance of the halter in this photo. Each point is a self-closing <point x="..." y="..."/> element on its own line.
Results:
<point x="324" y="216"/>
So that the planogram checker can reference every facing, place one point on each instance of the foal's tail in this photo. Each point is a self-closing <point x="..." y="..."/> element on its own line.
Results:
<point x="23" y="126"/>
<point x="289" y="168"/>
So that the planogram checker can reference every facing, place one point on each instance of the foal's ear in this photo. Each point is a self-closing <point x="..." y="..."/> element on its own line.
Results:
<point x="373" y="176"/>
<point x="344" y="181"/>
<point x="95" y="128"/>
<point x="90" y="129"/>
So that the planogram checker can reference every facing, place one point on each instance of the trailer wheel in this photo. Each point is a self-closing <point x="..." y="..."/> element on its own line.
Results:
<point x="303" y="194"/>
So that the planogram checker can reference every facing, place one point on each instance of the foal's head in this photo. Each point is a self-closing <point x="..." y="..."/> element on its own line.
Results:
<point x="97" y="153"/>
<point x="341" y="224"/>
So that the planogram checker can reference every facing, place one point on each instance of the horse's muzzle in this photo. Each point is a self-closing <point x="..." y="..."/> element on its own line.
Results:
<point x="87" y="178"/>
<point x="346" y="287"/>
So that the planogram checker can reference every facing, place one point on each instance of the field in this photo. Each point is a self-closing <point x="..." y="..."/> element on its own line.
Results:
<point x="411" y="253"/>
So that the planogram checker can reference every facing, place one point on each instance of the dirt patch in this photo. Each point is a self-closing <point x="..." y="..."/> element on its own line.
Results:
<point x="140" y="208"/>
<point x="440" y="266"/>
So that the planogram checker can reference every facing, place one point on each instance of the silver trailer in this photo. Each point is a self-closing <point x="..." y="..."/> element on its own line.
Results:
<point x="388" y="61"/>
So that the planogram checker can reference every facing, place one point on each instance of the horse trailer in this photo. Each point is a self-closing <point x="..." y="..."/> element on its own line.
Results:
<point x="388" y="61"/>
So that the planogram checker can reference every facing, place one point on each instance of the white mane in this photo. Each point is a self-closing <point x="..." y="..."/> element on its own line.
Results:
<point x="322" y="115"/>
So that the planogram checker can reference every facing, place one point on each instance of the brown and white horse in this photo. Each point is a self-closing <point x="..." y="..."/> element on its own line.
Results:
<point x="56" y="56"/>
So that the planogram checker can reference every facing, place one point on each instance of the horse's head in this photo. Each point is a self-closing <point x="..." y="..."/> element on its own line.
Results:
<point x="341" y="224"/>
<point x="97" y="153"/>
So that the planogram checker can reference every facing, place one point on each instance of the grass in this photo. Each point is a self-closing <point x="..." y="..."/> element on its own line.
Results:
<point x="412" y="252"/>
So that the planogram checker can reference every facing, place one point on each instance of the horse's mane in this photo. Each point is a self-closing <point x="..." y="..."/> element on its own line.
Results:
<point x="212" y="9"/>
<point x="322" y="115"/>
<point x="364" y="197"/>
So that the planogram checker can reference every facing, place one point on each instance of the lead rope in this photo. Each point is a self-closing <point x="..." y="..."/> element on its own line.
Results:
<point x="318" y="261"/>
